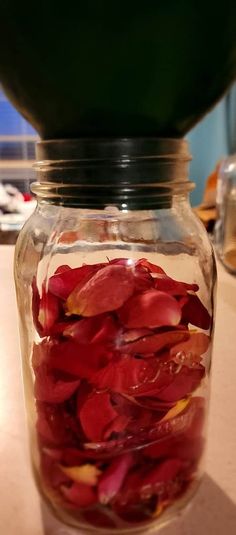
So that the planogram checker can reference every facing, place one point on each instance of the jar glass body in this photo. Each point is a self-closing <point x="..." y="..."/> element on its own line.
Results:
<point x="116" y="320"/>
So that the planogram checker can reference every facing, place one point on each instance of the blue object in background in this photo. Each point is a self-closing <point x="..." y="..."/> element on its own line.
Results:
<point x="11" y="122"/>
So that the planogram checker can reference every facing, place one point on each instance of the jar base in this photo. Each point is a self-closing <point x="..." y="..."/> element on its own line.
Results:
<point x="58" y="522"/>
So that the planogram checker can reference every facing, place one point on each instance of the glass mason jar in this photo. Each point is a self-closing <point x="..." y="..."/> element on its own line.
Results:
<point x="115" y="283"/>
<point x="225" y="228"/>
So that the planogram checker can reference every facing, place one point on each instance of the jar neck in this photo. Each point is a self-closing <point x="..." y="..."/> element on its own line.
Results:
<point x="129" y="173"/>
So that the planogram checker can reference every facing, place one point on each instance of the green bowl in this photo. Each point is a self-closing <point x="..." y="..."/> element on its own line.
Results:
<point x="124" y="68"/>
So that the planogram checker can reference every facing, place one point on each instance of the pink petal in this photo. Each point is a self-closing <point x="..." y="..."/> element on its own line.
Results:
<point x="80" y="494"/>
<point x="150" y="309"/>
<point x="195" y="312"/>
<point x="64" y="280"/>
<point x="47" y="388"/>
<point x="95" y="416"/>
<point x="107" y="290"/>
<point x="155" y="342"/>
<point x="113" y="477"/>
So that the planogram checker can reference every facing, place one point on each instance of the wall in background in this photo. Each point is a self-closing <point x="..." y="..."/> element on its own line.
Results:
<point x="212" y="139"/>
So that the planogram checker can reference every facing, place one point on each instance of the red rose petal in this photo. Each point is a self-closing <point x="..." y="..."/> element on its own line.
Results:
<point x="99" y="519"/>
<point x="62" y="269"/>
<point x="49" y="310"/>
<point x="113" y="477"/>
<point x="80" y="494"/>
<point x="35" y="305"/>
<point x="150" y="309"/>
<point x="77" y="359"/>
<point x="152" y="268"/>
<point x="45" y="310"/>
<point x="52" y="472"/>
<point x="184" y="383"/>
<point x="107" y="290"/>
<point x="47" y="388"/>
<point x="195" y="312"/>
<point x="197" y="344"/>
<point x="95" y="416"/>
<point x="155" y="342"/>
<point x="142" y="276"/>
<point x="172" y="286"/>
<point x="134" y="377"/>
<point x="55" y="426"/>
<point x="96" y="329"/>
<point x="166" y="471"/>
<point x="118" y="426"/>
<point x="64" y="280"/>
<point x="131" y="335"/>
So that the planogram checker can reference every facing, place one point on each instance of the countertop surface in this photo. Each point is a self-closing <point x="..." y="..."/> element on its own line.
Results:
<point x="214" y="508"/>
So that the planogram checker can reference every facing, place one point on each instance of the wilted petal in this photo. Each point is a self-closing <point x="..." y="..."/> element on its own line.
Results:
<point x="80" y="494"/>
<point x="113" y="477"/>
<point x="96" y="415"/>
<point x="150" y="309"/>
<point x="86" y="473"/>
<point x="48" y="388"/>
<point x="64" y="280"/>
<point x="195" y="312"/>
<point x="107" y="290"/>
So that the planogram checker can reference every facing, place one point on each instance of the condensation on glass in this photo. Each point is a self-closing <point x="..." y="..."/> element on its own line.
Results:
<point x="115" y="284"/>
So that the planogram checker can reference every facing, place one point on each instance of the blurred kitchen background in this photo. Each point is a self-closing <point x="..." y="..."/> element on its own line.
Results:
<point x="212" y="140"/>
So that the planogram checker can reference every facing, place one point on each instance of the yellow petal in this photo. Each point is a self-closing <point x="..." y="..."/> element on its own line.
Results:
<point x="86" y="473"/>
<point x="177" y="409"/>
<point x="160" y="508"/>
